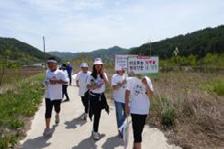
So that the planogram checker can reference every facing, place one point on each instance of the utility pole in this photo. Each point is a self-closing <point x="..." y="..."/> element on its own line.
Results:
<point x="150" y="44"/>
<point x="45" y="65"/>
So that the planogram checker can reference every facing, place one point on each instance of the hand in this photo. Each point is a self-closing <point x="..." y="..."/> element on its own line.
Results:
<point x="53" y="82"/>
<point x="127" y="110"/>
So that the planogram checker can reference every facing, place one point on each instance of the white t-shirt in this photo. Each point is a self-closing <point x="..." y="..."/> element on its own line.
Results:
<point x="98" y="81"/>
<point x="66" y="75"/>
<point x="119" y="94"/>
<point x="82" y="78"/>
<point x="54" y="91"/>
<point x="139" y="101"/>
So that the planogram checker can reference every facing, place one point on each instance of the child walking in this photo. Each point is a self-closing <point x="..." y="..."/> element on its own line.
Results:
<point x="138" y="91"/>
<point x="81" y="82"/>
<point x="54" y="80"/>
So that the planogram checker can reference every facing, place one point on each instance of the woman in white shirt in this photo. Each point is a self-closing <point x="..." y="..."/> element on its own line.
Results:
<point x="118" y="83"/>
<point x="138" y="91"/>
<point x="81" y="82"/>
<point x="97" y="84"/>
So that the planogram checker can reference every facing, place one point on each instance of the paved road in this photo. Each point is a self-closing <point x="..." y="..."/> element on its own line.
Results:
<point x="72" y="133"/>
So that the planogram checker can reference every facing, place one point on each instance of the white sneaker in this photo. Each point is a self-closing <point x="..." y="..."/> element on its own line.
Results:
<point x="47" y="132"/>
<point x="96" y="135"/>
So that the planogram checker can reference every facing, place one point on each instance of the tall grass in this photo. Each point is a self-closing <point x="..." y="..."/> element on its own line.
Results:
<point x="16" y="105"/>
<point x="190" y="107"/>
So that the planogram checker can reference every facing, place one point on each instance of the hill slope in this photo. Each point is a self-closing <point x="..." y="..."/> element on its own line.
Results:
<point x="20" y="52"/>
<point x="199" y="43"/>
<point x="106" y="54"/>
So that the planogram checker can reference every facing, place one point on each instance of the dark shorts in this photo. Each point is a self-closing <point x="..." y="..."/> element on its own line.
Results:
<point x="138" y="123"/>
<point x="49" y="106"/>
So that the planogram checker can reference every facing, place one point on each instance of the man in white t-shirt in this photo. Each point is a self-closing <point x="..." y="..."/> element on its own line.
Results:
<point x="118" y="83"/>
<point x="138" y="91"/>
<point x="54" y="80"/>
<point x="81" y="82"/>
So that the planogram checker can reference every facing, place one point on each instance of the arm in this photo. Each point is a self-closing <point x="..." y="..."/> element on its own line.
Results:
<point x="127" y="96"/>
<point x="77" y="83"/>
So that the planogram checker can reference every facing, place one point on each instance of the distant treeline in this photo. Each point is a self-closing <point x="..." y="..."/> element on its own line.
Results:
<point x="198" y="44"/>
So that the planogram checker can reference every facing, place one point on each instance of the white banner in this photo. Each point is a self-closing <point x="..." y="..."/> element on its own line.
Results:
<point x="143" y="64"/>
<point x="122" y="61"/>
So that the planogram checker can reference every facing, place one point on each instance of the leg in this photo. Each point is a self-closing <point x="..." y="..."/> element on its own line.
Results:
<point x="57" y="108"/>
<point x="96" y="120"/>
<point x="138" y="122"/>
<point x="63" y="91"/>
<point x="119" y="113"/>
<point x="70" y="79"/>
<point x="66" y="92"/>
<point x="85" y="103"/>
<point x="49" y="106"/>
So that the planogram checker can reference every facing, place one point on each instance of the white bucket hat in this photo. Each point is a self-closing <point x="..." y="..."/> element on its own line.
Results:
<point x="84" y="65"/>
<point x="98" y="61"/>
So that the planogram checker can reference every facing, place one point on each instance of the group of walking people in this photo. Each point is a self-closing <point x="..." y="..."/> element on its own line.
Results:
<point x="130" y="94"/>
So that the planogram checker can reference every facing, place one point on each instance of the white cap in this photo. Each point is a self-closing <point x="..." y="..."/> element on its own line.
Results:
<point x="84" y="65"/>
<point x="119" y="68"/>
<point x="98" y="61"/>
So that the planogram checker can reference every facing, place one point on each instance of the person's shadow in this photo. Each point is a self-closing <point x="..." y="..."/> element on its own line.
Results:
<point x="113" y="142"/>
<point x="88" y="143"/>
<point x="39" y="142"/>
<point x="75" y="123"/>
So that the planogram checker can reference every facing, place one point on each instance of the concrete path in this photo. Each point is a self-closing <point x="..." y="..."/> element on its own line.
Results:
<point x="73" y="133"/>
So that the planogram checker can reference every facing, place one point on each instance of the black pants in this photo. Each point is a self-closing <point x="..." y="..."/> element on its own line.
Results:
<point x="138" y="123"/>
<point x="96" y="106"/>
<point x="65" y="92"/>
<point x="85" y="102"/>
<point x="70" y="79"/>
<point x="49" y="106"/>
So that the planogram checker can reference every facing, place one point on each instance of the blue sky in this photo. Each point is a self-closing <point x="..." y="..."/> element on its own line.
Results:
<point x="85" y="25"/>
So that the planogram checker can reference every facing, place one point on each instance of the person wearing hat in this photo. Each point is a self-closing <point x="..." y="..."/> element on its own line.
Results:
<point x="53" y="82"/>
<point x="81" y="82"/>
<point x="97" y="85"/>
<point x="137" y="103"/>
<point x="118" y="82"/>
<point x="65" y="86"/>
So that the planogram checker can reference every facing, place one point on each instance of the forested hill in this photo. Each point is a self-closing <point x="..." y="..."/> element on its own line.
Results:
<point x="199" y="43"/>
<point x="20" y="52"/>
<point x="106" y="54"/>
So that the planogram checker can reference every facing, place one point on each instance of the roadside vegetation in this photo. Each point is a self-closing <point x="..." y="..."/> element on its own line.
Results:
<point x="18" y="103"/>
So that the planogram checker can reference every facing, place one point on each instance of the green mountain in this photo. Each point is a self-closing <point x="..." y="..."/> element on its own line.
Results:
<point x="20" y="52"/>
<point x="105" y="54"/>
<point x="199" y="44"/>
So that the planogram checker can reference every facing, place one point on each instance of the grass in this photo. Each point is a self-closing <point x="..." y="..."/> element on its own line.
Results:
<point x="16" y="105"/>
<point x="188" y="107"/>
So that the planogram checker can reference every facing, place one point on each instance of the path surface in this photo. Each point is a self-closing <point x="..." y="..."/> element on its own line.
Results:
<point x="72" y="133"/>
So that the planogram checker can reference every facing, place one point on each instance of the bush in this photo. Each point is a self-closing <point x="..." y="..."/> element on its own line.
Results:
<point x="219" y="88"/>
<point x="167" y="113"/>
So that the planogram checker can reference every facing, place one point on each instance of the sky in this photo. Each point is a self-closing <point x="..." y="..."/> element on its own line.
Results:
<point x="86" y="25"/>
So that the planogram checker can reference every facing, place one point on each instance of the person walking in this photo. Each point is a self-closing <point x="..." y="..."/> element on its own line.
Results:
<point x="118" y="83"/>
<point x="65" y="86"/>
<point x="54" y="80"/>
<point x="81" y="82"/>
<point x="69" y="70"/>
<point x="138" y="91"/>
<point x="97" y="85"/>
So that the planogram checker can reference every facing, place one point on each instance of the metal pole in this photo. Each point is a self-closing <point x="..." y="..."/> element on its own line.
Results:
<point x="45" y="65"/>
<point x="150" y="44"/>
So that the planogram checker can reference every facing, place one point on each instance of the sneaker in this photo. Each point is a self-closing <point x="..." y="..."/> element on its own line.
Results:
<point x="84" y="117"/>
<point x="57" y="119"/>
<point x="47" y="132"/>
<point x="96" y="135"/>
<point x="66" y="100"/>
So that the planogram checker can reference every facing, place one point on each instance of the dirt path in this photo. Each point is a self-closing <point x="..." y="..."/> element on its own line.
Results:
<point x="72" y="133"/>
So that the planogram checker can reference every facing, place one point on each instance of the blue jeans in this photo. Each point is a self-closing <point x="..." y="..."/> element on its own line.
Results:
<point x="120" y="113"/>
